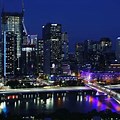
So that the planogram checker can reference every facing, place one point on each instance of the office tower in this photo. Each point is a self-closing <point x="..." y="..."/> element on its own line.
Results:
<point x="79" y="52"/>
<point x="95" y="55"/>
<point x="66" y="69"/>
<point x="29" y="61"/>
<point x="52" y="49"/>
<point x="96" y="46"/>
<point x="65" y="47"/>
<point x="9" y="57"/>
<point x="0" y="58"/>
<point x="117" y="51"/>
<point x="72" y="62"/>
<point x="88" y="45"/>
<point x="106" y="50"/>
<point x="88" y="50"/>
<point x="13" y="22"/>
<point x="105" y="44"/>
<point x="33" y="39"/>
<point x="40" y="57"/>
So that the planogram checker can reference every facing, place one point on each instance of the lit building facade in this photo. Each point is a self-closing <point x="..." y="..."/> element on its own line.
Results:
<point x="79" y="52"/>
<point x="0" y="58"/>
<point x="72" y="62"/>
<point x="52" y="49"/>
<point x="33" y="39"/>
<point x="12" y="22"/>
<point x="9" y="55"/>
<point x="117" y="51"/>
<point x="105" y="44"/>
<point x="40" y="57"/>
<point x="65" y="46"/>
<point x="88" y="50"/>
<point x="29" y="60"/>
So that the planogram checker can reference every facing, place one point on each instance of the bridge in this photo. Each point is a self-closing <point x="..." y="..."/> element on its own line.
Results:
<point x="89" y="87"/>
<point x="113" y="86"/>
<point x="105" y="90"/>
<point x="44" y="89"/>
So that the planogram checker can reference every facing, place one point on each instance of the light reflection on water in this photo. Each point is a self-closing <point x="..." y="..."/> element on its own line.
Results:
<point x="72" y="102"/>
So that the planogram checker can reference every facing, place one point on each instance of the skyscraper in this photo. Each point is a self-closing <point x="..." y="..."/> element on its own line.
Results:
<point x="13" y="22"/>
<point x="117" y="51"/>
<point x="65" y="46"/>
<point x="33" y="40"/>
<point x="40" y="57"/>
<point x="105" y="44"/>
<point x="29" y="62"/>
<point x="79" y="52"/>
<point x="52" y="48"/>
<point x="9" y="54"/>
<point x="0" y="58"/>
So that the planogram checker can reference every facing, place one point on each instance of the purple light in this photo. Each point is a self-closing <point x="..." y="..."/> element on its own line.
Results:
<point x="86" y="75"/>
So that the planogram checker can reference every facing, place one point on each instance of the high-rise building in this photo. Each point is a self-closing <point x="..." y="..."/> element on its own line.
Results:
<point x="88" y="45"/>
<point x="40" y="57"/>
<point x="33" y="40"/>
<point x="105" y="44"/>
<point x="117" y="51"/>
<point x="0" y="58"/>
<point x="13" y="22"/>
<point x="88" y="50"/>
<point x="72" y="62"/>
<point x="65" y="47"/>
<point x="96" y="46"/>
<point x="9" y="55"/>
<point x="52" y="49"/>
<point x="79" y="52"/>
<point x="29" y="61"/>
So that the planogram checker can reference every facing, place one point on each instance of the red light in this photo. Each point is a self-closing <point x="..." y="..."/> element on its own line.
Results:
<point x="8" y="97"/>
<point x="13" y="96"/>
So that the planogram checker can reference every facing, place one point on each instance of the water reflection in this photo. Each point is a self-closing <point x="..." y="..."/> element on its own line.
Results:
<point x="3" y="108"/>
<point x="50" y="102"/>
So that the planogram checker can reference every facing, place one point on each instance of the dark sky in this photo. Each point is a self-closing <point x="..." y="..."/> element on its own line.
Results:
<point x="82" y="19"/>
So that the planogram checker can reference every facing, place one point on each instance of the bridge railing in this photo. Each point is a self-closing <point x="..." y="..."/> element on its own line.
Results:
<point x="109" y="92"/>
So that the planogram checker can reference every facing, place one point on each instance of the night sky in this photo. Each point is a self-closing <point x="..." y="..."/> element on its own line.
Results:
<point x="82" y="19"/>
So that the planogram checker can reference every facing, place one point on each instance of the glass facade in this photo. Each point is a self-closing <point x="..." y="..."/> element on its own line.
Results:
<point x="12" y="22"/>
<point x="10" y="53"/>
<point x="52" y="48"/>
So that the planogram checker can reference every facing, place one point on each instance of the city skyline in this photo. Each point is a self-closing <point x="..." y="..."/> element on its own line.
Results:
<point x="81" y="19"/>
<point x="39" y="70"/>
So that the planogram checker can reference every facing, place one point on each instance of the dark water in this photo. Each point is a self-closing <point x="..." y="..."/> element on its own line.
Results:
<point x="31" y="105"/>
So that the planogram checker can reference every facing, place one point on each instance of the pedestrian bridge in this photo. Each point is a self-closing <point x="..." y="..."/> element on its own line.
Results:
<point x="106" y="91"/>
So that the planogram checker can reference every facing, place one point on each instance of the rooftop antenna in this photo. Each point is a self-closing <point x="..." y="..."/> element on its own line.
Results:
<point x="23" y="11"/>
<point x="23" y="8"/>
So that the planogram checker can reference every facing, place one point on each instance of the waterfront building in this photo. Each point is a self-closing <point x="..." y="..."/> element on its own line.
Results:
<point x="72" y="62"/>
<point x="115" y="67"/>
<point x="29" y="60"/>
<point x="12" y="25"/>
<point x="66" y="69"/>
<point x="52" y="49"/>
<point x="9" y="54"/>
<point x="65" y="46"/>
<point x="40" y="56"/>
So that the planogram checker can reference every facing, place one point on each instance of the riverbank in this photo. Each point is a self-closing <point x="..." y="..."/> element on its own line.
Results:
<point x="64" y="114"/>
